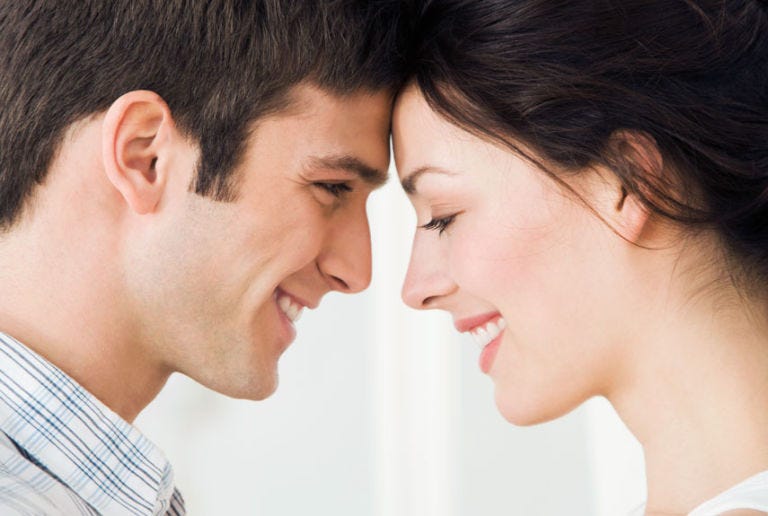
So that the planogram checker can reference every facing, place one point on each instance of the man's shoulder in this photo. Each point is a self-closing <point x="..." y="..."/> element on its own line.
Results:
<point x="27" y="489"/>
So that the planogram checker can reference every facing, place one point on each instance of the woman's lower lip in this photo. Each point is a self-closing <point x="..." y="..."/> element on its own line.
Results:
<point x="488" y="354"/>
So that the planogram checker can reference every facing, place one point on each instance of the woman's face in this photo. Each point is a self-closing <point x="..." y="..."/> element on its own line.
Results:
<point x="517" y="261"/>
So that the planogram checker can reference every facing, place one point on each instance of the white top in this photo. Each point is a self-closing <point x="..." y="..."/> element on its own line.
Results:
<point x="749" y="494"/>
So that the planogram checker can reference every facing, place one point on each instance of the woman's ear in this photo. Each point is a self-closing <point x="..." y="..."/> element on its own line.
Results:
<point x="136" y="136"/>
<point x="624" y="208"/>
<point x="631" y="217"/>
<point x="639" y="151"/>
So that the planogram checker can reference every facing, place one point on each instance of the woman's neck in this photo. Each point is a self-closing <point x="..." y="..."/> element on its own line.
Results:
<point x="696" y="398"/>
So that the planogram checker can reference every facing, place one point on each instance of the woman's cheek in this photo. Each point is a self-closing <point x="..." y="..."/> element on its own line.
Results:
<point x="494" y="262"/>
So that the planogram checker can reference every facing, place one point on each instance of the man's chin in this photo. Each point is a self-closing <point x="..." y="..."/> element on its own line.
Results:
<point x="248" y="388"/>
<point x="261" y="390"/>
<point x="263" y="393"/>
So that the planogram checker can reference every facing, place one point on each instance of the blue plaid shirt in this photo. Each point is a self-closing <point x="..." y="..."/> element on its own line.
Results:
<point x="64" y="452"/>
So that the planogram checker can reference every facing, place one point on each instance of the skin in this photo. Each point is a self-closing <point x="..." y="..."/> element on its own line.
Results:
<point x="602" y="300"/>
<point x="120" y="275"/>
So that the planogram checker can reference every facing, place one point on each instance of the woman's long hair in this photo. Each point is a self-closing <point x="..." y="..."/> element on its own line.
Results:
<point x="570" y="80"/>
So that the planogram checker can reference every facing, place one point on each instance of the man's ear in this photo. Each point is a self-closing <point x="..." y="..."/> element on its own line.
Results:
<point x="136" y="135"/>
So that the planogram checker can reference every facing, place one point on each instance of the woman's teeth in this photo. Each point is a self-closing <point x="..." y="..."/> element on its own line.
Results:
<point x="289" y="308"/>
<point x="483" y="335"/>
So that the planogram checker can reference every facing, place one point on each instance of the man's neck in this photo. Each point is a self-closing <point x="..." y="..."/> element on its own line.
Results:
<point x="61" y="298"/>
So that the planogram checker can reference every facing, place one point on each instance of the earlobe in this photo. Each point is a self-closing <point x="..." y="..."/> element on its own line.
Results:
<point x="633" y="217"/>
<point x="135" y="137"/>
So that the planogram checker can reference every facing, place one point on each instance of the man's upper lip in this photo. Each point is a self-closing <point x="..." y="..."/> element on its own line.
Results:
<point x="296" y="299"/>
<point x="468" y="323"/>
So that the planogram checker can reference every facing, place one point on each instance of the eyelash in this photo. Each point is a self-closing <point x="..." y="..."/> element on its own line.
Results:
<point x="440" y="224"/>
<point x="336" y="189"/>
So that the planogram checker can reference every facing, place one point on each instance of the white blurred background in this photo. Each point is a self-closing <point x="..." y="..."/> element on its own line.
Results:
<point x="382" y="411"/>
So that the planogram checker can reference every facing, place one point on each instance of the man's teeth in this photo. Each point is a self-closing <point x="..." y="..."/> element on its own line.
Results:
<point x="289" y="308"/>
<point x="483" y="335"/>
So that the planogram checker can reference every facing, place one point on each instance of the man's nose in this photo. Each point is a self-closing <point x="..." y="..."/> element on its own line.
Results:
<point x="345" y="261"/>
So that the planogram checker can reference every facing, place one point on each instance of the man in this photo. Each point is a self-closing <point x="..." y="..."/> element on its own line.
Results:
<point x="178" y="180"/>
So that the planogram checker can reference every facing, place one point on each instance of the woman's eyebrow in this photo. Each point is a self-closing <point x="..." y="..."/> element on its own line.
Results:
<point x="409" y="182"/>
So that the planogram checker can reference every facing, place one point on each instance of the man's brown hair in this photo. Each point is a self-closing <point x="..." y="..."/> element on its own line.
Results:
<point x="219" y="64"/>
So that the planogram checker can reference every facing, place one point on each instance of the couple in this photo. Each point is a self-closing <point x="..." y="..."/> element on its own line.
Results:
<point x="179" y="180"/>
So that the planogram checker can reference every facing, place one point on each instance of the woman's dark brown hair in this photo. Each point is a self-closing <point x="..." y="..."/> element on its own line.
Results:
<point x="566" y="78"/>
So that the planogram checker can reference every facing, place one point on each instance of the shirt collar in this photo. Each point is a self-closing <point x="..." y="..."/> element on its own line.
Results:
<point x="101" y="457"/>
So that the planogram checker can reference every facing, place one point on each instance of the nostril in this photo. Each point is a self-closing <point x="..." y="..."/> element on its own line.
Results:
<point x="419" y="302"/>
<point x="341" y="284"/>
<point x="428" y="301"/>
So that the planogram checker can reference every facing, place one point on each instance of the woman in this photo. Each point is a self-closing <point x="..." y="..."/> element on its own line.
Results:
<point x="591" y="183"/>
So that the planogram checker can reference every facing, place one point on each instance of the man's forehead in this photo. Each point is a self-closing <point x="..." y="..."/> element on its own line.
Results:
<point x="326" y="131"/>
<point x="307" y="98"/>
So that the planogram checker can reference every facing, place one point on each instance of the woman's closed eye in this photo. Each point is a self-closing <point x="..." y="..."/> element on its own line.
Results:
<point x="440" y="224"/>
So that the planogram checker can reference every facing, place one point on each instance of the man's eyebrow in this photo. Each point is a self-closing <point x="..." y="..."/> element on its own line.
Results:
<point x="409" y="182"/>
<point x="368" y="174"/>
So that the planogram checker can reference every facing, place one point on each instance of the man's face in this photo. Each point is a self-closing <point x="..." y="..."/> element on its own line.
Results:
<point x="217" y="283"/>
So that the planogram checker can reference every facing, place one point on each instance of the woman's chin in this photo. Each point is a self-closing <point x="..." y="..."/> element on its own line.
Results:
<point x="522" y="410"/>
